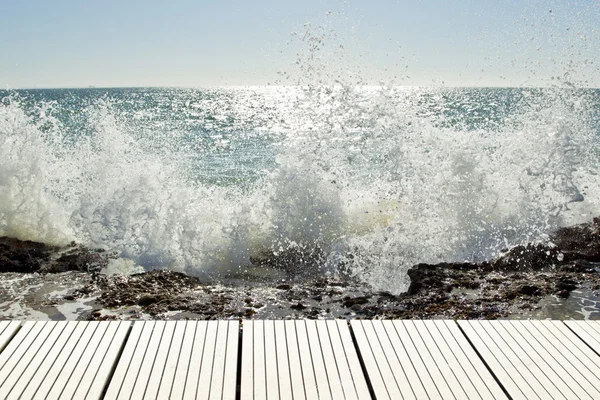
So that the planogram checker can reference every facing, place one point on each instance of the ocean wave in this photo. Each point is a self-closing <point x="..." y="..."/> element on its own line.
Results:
<point x="361" y="181"/>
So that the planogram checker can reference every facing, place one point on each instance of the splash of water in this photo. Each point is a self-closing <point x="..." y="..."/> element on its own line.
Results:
<point x="366" y="181"/>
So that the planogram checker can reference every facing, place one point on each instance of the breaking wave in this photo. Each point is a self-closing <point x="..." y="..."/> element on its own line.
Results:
<point x="364" y="181"/>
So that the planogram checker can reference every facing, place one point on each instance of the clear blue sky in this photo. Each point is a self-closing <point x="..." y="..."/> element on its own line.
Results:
<point x="200" y="43"/>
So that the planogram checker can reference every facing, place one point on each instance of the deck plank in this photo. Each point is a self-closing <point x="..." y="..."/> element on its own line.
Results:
<point x="175" y="351"/>
<point x="207" y="366"/>
<point x="579" y="360"/>
<point x="21" y="357"/>
<point x="543" y="357"/>
<point x="422" y="360"/>
<point x="147" y="361"/>
<point x="80" y="367"/>
<point x="247" y="382"/>
<point x="158" y="367"/>
<point x="207" y="378"/>
<point x="218" y="365"/>
<point x="18" y="346"/>
<point x="130" y="381"/>
<point x="457" y="382"/>
<point x="63" y="360"/>
<point x="552" y="362"/>
<point x="349" y="350"/>
<point x="339" y="355"/>
<point x="97" y="378"/>
<point x="436" y="365"/>
<point x="300" y="359"/>
<point x="321" y="373"/>
<point x="283" y="363"/>
<point x="588" y="331"/>
<point x="330" y="361"/>
<point x="308" y="370"/>
<point x="595" y="325"/>
<point x="533" y="368"/>
<point x="192" y="346"/>
<point x="406" y="370"/>
<point x="148" y="368"/>
<point x="501" y="364"/>
<point x="30" y="373"/>
<point x="403" y="336"/>
<point x="231" y="361"/>
<point x="11" y="383"/>
<point x="370" y="355"/>
<point x="271" y="360"/>
<point x="195" y="363"/>
<point x="115" y="385"/>
<point x="47" y="372"/>
<point x="7" y="331"/>
<point x="296" y="376"/>
<point x="478" y="374"/>
<point x="438" y="344"/>
<point x="397" y="382"/>
<point x="85" y="345"/>
<point x="260" y="373"/>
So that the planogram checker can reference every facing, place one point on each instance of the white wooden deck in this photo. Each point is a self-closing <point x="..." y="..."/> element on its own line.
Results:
<point x="422" y="360"/>
<point x="180" y="360"/>
<point x="60" y="360"/>
<point x="7" y="330"/>
<point x="537" y="359"/>
<point x="300" y="359"/>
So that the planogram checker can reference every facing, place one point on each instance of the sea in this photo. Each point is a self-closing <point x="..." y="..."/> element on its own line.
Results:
<point x="364" y="181"/>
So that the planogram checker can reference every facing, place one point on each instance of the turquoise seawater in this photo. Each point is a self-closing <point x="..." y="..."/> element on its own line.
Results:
<point x="360" y="180"/>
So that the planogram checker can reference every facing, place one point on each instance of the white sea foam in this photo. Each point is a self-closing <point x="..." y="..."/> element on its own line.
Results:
<point x="376" y="179"/>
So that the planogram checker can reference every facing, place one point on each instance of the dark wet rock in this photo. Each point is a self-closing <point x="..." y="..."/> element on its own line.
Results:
<point x="445" y="291"/>
<point x="298" y="306"/>
<point x="513" y="283"/>
<point x="519" y="289"/>
<point x="149" y="288"/>
<point x="284" y="286"/>
<point x="303" y="260"/>
<point x="28" y="256"/>
<point x="350" y="302"/>
<point x="96" y="315"/>
<point x="81" y="259"/>
<point x="570" y="248"/>
<point x="565" y="285"/>
<point x="580" y="242"/>
<point x="146" y="300"/>
<point x="436" y="276"/>
<point x="23" y="255"/>
<point x="578" y="266"/>
<point x="529" y="290"/>
<point x="519" y="277"/>
<point x="528" y="257"/>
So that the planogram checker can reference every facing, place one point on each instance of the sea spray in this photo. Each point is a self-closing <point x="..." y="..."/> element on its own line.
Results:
<point x="364" y="181"/>
<point x="28" y="208"/>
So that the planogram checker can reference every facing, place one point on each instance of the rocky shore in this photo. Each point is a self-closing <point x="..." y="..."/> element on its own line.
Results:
<point x="557" y="279"/>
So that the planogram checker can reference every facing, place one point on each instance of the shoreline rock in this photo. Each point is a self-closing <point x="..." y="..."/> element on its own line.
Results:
<point x="514" y="284"/>
<point x="26" y="256"/>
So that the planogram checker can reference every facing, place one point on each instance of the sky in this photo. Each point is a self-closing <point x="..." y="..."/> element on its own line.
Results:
<point x="268" y="42"/>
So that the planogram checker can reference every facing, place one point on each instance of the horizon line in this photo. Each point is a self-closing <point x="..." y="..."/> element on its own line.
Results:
<point x="571" y="87"/>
